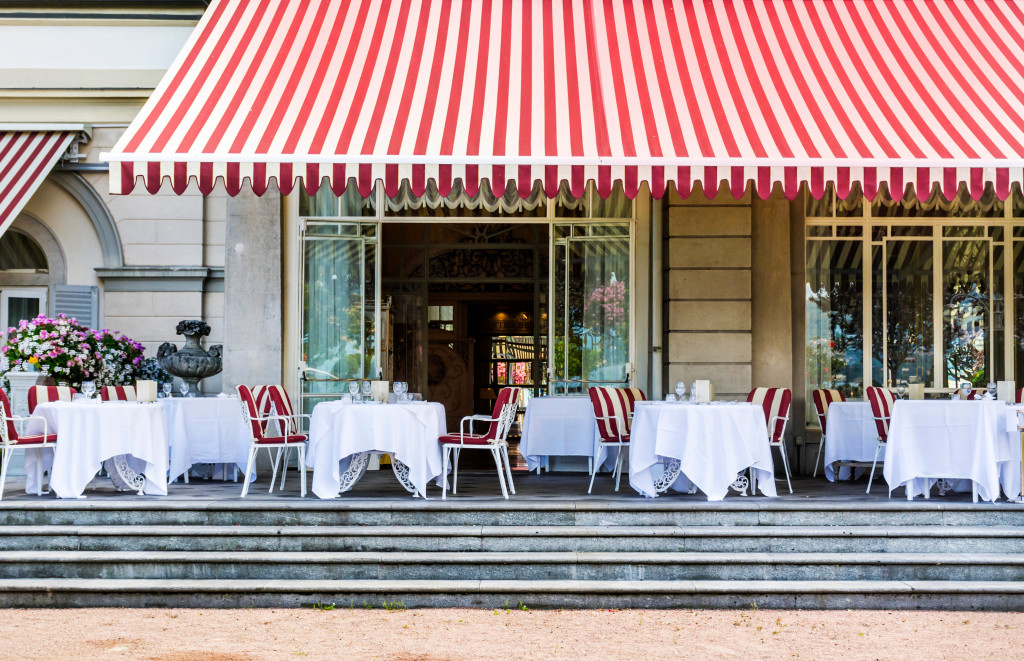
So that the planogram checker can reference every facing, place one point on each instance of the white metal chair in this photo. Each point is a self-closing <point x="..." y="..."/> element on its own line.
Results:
<point x="259" y="421"/>
<point x="775" y="402"/>
<point x="613" y="411"/>
<point x="281" y="404"/>
<point x="11" y="440"/>
<point x="500" y="422"/>
<point x="823" y="398"/>
<point x="882" y="400"/>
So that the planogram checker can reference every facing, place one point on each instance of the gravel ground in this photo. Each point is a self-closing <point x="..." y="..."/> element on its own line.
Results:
<point x="436" y="635"/>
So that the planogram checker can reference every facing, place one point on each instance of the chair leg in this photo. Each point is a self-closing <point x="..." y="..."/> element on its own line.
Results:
<point x="501" y="471"/>
<point x="39" y="474"/>
<point x="818" y="458"/>
<point x="618" y="466"/>
<point x="273" y="470"/>
<point x="455" y="470"/>
<point x="871" y="477"/>
<point x="5" y="459"/>
<point x="302" y="471"/>
<point x="284" y="468"/>
<point x="248" y="470"/>
<point x="593" y="474"/>
<point x="508" y="469"/>
<point x="444" y="471"/>
<point x="785" y="463"/>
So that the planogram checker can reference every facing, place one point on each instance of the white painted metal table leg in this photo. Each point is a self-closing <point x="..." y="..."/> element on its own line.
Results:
<point x="356" y="467"/>
<point x="122" y="475"/>
<point x="668" y="476"/>
<point x="402" y="474"/>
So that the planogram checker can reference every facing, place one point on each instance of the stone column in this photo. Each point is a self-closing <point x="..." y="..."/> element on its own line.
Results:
<point x="252" y="290"/>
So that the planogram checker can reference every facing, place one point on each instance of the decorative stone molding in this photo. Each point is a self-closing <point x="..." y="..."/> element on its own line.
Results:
<point x="162" y="278"/>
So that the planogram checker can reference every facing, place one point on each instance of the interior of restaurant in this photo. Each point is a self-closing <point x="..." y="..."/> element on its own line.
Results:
<point x="462" y="295"/>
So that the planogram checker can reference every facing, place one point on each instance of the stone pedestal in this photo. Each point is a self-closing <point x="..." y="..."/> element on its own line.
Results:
<point x="20" y="383"/>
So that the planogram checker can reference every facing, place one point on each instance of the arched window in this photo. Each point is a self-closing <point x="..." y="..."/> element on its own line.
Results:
<point x="19" y="253"/>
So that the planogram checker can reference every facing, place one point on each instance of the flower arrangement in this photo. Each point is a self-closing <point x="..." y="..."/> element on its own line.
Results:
<point x="70" y="352"/>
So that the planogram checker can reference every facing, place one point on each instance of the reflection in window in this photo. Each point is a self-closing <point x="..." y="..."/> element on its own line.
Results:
<point x="965" y="311"/>
<point x="908" y="333"/>
<point x="835" y="317"/>
<point x="18" y="252"/>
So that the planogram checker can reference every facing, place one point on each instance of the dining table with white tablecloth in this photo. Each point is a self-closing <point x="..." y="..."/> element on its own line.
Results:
<point x="129" y="437"/>
<point x="561" y="426"/>
<point x="713" y="443"/>
<point x="342" y="435"/>
<point x="206" y="430"/>
<point x="951" y="440"/>
<point x="851" y="436"/>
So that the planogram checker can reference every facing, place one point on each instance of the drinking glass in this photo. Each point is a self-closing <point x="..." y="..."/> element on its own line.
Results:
<point x="183" y="389"/>
<point x="965" y="390"/>
<point x="680" y="390"/>
<point x="401" y="387"/>
<point x="693" y="392"/>
<point x="901" y="390"/>
<point x="669" y="397"/>
<point x="88" y="388"/>
<point x="367" y="390"/>
<point x="353" y="389"/>
<point x="992" y="388"/>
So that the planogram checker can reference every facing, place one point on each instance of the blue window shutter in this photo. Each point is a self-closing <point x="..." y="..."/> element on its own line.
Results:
<point x="78" y="301"/>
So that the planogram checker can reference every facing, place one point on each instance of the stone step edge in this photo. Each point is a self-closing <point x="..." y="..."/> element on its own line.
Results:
<point x="511" y="558"/>
<point x="500" y="505"/>
<point x="327" y="587"/>
<point x="515" y="531"/>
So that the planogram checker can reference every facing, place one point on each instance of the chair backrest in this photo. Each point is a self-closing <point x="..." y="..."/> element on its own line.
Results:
<point x="613" y="408"/>
<point x="505" y="419"/>
<point x="42" y="394"/>
<point x="1020" y="395"/>
<point x="8" y="434"/>
<point x="281" y="404"/>
<point x="118" y="393"/>
<point x="775" y="402"/>
<point x="882" y="401"/>
<point x="506" y="396"/>
<point x="823" y="398"/>
<point x="251" y="411"/>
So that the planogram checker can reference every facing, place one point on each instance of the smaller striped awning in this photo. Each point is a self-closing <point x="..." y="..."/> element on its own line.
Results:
<point x="26" y="157"/>
<point x="768" y="93"/>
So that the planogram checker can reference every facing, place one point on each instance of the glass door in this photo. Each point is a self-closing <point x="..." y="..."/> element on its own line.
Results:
<point x="591" y="306"/>
<point x="340" y="335"/>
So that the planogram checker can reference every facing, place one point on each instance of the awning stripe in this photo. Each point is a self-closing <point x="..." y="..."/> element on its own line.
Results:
<point x="26" y="157"/>
<point x="655" y="91"/>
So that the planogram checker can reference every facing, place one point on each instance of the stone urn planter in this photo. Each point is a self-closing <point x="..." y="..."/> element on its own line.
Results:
<point x="192" y="363"/>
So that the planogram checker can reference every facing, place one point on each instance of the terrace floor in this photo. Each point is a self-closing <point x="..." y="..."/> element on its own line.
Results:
<point x="482" y="486"/>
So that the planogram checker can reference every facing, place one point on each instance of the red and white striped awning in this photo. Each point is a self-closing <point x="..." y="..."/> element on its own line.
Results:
<point x="657" y="91"/>
<point x="26" y="157"/>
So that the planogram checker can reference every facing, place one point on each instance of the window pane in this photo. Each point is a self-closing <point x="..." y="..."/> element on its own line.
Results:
<point x="908" y="318"/>
<point x="965" y="308"/>
<point x="835" y="317"/>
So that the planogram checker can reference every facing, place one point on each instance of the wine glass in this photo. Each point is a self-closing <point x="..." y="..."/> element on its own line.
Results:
<point x="992" y="388"/>
<point x="183" y="388"/>
<point x="367" y="390"/>
<point x="965" y="390"/>
<point x="901" y="389"/>
<point x="88" y="388"/>
<point x="166" y="386"/>
<point x="680" y="390"/>
<point x="353" y="390"/>
<point x="401" y="388"/>
<point x="693" y="392"/>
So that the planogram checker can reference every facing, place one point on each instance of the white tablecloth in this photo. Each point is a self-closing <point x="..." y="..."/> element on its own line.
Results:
<point x="89" y="433"/>
<point x="933" y="439"/>
<point x="206" y="430"/>
<point x="409" y="432"/>
<point x="714" y="442"/>
<point x="558" y="427"/>
<point x="852" y="436"/>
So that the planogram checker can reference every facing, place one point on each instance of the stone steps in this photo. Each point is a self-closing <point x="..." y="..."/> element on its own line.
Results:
<point x="608" y="552"/>
<point x="480" y="566"/>
<point x="723" y="539"/>
<point x="79" y="592"/>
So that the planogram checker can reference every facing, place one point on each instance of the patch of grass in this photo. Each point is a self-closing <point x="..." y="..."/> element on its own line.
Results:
<point x="393" y="606"/>
<point x="320" y="606"/>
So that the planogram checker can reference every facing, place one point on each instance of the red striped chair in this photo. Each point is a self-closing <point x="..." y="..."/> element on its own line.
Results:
<point x="882" y="401"/>
<point x="1019" y="398"/>
<point x="11" y="440"/>
<point x="775" y="402"/>
<point x="500" y="422"/>
<point x="259" y="426"/>
<point x="822" y="399"/>
<point x="44" y="394"/>
<point x="613" y="411"/>
<point x="118" y="393"/>
<point x="275" y="401"/>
